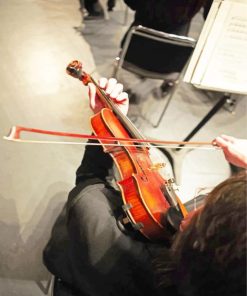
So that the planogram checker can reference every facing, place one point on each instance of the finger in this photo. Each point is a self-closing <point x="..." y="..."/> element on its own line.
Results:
<point x="221" y="142"/>
<point x="110" y="85"/>
<point x="123" y="101"/>
<point x="228" y="138"/>
<point x="122" y="98"/>
<point x="103" y="82"/>
<point x="92" y="94"/>
<point x="117" y="90"/>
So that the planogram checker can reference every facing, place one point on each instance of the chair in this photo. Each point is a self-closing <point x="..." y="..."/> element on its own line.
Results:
<point x="153" y="54"/>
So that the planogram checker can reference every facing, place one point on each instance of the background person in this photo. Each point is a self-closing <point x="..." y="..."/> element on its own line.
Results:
<point x="91" y="10"/>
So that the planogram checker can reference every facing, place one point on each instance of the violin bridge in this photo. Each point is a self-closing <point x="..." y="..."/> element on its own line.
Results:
<point x="157" y="166"/>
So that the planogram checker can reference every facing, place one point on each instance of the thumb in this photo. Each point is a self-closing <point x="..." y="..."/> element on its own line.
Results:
<point x="228" y="138"/>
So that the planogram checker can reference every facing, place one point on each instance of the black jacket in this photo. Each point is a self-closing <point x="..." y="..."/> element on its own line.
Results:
<point x="166" y="15"/>
<point x="87" y="249"/>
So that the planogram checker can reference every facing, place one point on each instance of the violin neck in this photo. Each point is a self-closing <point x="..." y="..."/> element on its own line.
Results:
<point x="127" y="123"/>
<point x="130" y="127"/>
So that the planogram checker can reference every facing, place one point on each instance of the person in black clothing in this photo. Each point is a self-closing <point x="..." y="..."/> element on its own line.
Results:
<point x="111" y="4"/>
<point x="91" y="253"/>
<point x="170" y="16"/>
<point x="88" y="250"/>
<point x="91" y="9"/>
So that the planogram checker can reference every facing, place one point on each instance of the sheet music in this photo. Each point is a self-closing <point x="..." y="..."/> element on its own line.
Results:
<point x="201" y="41"/>
<point x="223" y="62"/>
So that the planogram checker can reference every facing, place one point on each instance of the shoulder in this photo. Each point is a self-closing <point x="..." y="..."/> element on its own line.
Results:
<point x="93" y="195"/>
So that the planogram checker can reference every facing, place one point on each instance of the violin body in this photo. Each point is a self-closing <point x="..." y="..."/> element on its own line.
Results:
<point x="142" y="187"/>
<point x="147" y="197"/>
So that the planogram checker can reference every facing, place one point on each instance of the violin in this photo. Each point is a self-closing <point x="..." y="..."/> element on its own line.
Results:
<point x="147" y="196"/>
<point x="151" y="202"/>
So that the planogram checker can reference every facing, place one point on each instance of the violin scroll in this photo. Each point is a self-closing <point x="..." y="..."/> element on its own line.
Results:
<point x="74" y="69"/>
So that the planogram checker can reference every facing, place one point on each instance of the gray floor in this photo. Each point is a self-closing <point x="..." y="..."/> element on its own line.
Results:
<point x="38" y="39"/>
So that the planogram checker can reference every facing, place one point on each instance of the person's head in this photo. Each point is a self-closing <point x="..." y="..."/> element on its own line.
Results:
<point x="210" y="254"/>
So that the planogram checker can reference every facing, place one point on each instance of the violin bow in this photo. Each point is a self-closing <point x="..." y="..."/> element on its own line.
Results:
<point x="16" y="131"/>
<point x="74" y="69"/>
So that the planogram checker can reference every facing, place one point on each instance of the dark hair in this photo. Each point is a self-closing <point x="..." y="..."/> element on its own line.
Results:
<point x="210" y="254"/>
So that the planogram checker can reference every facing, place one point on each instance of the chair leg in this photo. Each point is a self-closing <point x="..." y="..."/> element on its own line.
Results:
<point x="116" y="67"/>
<point x="51" y="286"/>
<point x="103" y="4"/>
<point x="207" y="117"/>
<point x="166" y="105"/>
<point x="47" y="289"/>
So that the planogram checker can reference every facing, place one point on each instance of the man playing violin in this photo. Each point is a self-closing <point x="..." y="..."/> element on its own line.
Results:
<point x="91" y="252"/>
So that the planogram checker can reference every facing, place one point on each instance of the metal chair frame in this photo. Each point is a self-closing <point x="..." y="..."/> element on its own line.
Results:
<point x="162" y="37"/>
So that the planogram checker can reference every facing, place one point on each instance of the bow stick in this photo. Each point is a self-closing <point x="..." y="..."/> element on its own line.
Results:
<point x="15" y="135"/>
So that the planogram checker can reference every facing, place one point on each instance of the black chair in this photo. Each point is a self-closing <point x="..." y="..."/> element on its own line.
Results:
<point x="153" y="54"/>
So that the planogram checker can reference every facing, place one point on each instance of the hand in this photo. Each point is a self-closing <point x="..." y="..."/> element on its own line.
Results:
<point x="115" y="92"/>
<point x="235" y="150"/>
